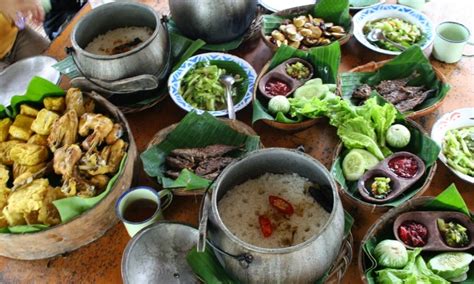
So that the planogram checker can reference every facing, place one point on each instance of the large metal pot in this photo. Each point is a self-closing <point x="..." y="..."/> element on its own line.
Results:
<point x="302" y="263"/>
<point x="214" y="21"/>
<point x="151" y="57"/>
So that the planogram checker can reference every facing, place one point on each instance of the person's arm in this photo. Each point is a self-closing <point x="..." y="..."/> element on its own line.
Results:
<point x="32" y="8"/>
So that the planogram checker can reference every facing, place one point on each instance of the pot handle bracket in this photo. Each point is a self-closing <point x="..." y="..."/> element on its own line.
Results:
<point x="245" y="259"/>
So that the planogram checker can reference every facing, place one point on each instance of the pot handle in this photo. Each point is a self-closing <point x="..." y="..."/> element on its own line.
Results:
<point x="244" y="259"/>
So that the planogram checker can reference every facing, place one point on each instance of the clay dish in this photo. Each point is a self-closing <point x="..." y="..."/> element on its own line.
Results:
<point x="279" y="73"/>
<point x="429" y="219"/>
<point x="398" y="184"/>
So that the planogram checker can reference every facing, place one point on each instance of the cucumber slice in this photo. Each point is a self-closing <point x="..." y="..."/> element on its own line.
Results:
<point x="370" y="160"/>
<point x="353" y="166"/>
<point x="461" y="278"/>
<point x="450" y="265"/>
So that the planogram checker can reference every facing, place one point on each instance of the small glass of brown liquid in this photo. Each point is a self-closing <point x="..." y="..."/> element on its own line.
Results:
<point x="142" y="206"/>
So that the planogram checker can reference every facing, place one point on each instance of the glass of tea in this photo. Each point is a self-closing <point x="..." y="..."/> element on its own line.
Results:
<point x="141" y="206"/>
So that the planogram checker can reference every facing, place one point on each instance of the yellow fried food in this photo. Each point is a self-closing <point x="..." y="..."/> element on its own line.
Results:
<point x="100" y="182"/>
<point x="89" y="105"/>
<point x="100" y="125"/>
<point x="38" y="140"/>
<point x="28" y="110"/>
<point x="44" y="121"/>
<point x="113" y="154"/>
<point x="5" y="151"/>
<point x="78" y="186"/>
<point x="32" y="204"/>
<point x="4" y="127"/>
<point x="19" y="170"/>
<point x="65" y="160"/>
<point x="29" y="154"/>
<point x="4" y="193"/>
<point x="64" y="131"/>
<point x="75" y="101"/>
<point x="21" y="127"/>
<point x="93" y="163"/>
<point x="57" y="104"/>
<point x="115" y="134"/>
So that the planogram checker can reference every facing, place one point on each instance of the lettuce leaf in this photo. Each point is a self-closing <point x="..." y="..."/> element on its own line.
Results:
<point x="356" y="133"/>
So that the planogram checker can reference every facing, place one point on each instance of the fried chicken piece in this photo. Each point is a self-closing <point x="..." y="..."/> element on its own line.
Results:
<point x="38" y="140"/>
<point x="56" y="104"/>
<point x="89" y="105"/>
<point x="78" y="186"/>
<point x="28" y="111"/>
<point x="32" y="204"/>
<point x="100" y="126"/>
<point x="75" y="101"/>
<point x="100" y="182"/>
<point x="65" y="160"/>
<point x="4" y="127"/>
<point x="21" y="127"/>
<point x="44" y="122"/>
<point x="93" y="163"/>
<point x="64" y="131"/>
<point x="113" y="154"/>
<point x="28" y="154"/>
<point x="115" y="134"/>
<point x="5" y="151"/>
<point x="4" y="193"/>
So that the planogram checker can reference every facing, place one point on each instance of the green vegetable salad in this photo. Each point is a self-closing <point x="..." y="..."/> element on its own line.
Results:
<point x="397" y="30"/>
<point x="458" y="147"/>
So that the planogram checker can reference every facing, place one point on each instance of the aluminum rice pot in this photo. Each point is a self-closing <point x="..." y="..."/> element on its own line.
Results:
<point x="302" y="263"/>
<point x="151" y="57"/>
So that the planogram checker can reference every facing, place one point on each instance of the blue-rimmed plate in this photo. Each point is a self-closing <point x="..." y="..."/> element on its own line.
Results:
<point x="174" y="80"/>
<point x="392" y="11"/>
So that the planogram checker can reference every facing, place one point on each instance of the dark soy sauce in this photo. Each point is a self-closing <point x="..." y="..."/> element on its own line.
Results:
<point x="140" y="210"/>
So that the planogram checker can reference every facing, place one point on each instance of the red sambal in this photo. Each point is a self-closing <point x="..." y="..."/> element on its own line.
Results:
<point x="404" y="166"/>
<point x="413" y="234"/>
<point x="275" y="87"/>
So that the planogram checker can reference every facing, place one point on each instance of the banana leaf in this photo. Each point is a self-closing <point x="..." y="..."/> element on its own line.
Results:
<point x="325" y="61"/>
<point x="70" y="207"/>
<point x="226" y="46"/>
<point x="420" y="145"/>
<point x="335" y="11"/>
<point x="449" y="200"/>
<point x="194" y="130"/>
<point x="402" y="66"/>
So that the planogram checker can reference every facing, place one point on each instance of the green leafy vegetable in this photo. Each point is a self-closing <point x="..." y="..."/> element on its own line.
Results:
<point x="391" y="254"/>
<point x="396" y="30"/>
<point x="458" y="147"/>
<point x="207" y="267"/>
<point x="357" y="134"/>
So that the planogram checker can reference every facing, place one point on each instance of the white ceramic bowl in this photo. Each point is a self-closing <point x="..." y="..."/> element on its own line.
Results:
<point x="174" y="81"/>
<point x="463" y="117"/>
<point x="392" y="11"/>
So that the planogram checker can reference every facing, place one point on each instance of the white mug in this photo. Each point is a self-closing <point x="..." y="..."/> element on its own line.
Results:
<point x="142" y="206"/>
<point x="415" y="4"/>
<point x="449" y="42"/>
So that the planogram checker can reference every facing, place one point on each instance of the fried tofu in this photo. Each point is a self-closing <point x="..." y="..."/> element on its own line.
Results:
<point x="21" y="127"/>
<point x="4" y="127"/>
<point x="44" y="122"/>
<point x="57" y="104"/>
<point x="28" y="110"/>
<point x="29" y="154"/>
<point x="4" y="175"/>
<point x="33" y="204"/>
<point x="5" y="151"/>
<point x="38" y="140"/>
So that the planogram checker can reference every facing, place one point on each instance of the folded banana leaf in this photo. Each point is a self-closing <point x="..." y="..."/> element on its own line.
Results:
<point x="420" y="145"/>
<point x="193" y="131"/>
<point x="402" y="66"/>
<point x="70" y="207"/>
<point x="325" y="61"/>
<point x="448" y="200"/>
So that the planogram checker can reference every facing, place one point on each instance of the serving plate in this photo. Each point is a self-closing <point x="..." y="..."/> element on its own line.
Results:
<point x="174" y="81"/>
<point x="394" y="11"/>
<point x="463" y="117"/>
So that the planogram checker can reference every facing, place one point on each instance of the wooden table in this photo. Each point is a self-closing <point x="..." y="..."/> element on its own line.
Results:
<point x="100" y="261"/>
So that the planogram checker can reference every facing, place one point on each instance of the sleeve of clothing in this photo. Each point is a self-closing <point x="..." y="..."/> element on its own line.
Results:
<point x="8" y="33"/>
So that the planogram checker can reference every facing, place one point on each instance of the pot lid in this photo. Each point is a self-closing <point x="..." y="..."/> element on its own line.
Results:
<point x="16" y="77"/>
<point x="157" y="254"/>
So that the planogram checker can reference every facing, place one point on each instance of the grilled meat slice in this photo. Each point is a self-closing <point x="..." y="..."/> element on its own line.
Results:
<point x="362" y="92"/>
<point x="396" y="96"/>
<point x="212" y="176"/>
<point x="172" y="174"/>
<point x="200" y="154"/>
<point x="389" y="86"/>
<point x="411" y="102"/>
<point x="212" y="165"/>
<point x="179" y="163"/>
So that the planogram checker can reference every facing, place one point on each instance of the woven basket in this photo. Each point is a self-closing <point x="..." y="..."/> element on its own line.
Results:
<point x="361" y="207"/>
<point x="302" y="10"/>
<point x="161" y="135"/>
<point x="374" y="66"/>
<point x="383" y="223"/>
<point x="342" y="262"/>
<point x="126" y="109"/>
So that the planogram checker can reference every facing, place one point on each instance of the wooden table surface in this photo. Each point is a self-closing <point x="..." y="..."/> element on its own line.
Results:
<point x="99" y="262"/>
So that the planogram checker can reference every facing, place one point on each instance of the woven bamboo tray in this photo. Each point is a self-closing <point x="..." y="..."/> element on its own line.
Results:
<point x="374" y="66"/>
<point x="86" y="227"/>
<point x="384" y="221"/>
<point x="342" y="262"/>
<point x="302" y="10"/>
<point x="161" y="135"/>
<point x="351" y="203"/>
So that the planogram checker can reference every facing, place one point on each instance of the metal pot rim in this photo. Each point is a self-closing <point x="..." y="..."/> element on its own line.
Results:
<point x="289" y="249"/>
<point x="91" y="15"/>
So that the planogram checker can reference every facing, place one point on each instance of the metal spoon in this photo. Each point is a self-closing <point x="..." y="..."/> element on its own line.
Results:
<point x="228" y="81"/>
<point x="377" y="35"/>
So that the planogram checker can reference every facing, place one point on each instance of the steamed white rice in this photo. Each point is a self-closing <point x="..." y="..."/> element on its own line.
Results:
<point x="104" y="44"/>
<point x="241" y="207"/>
